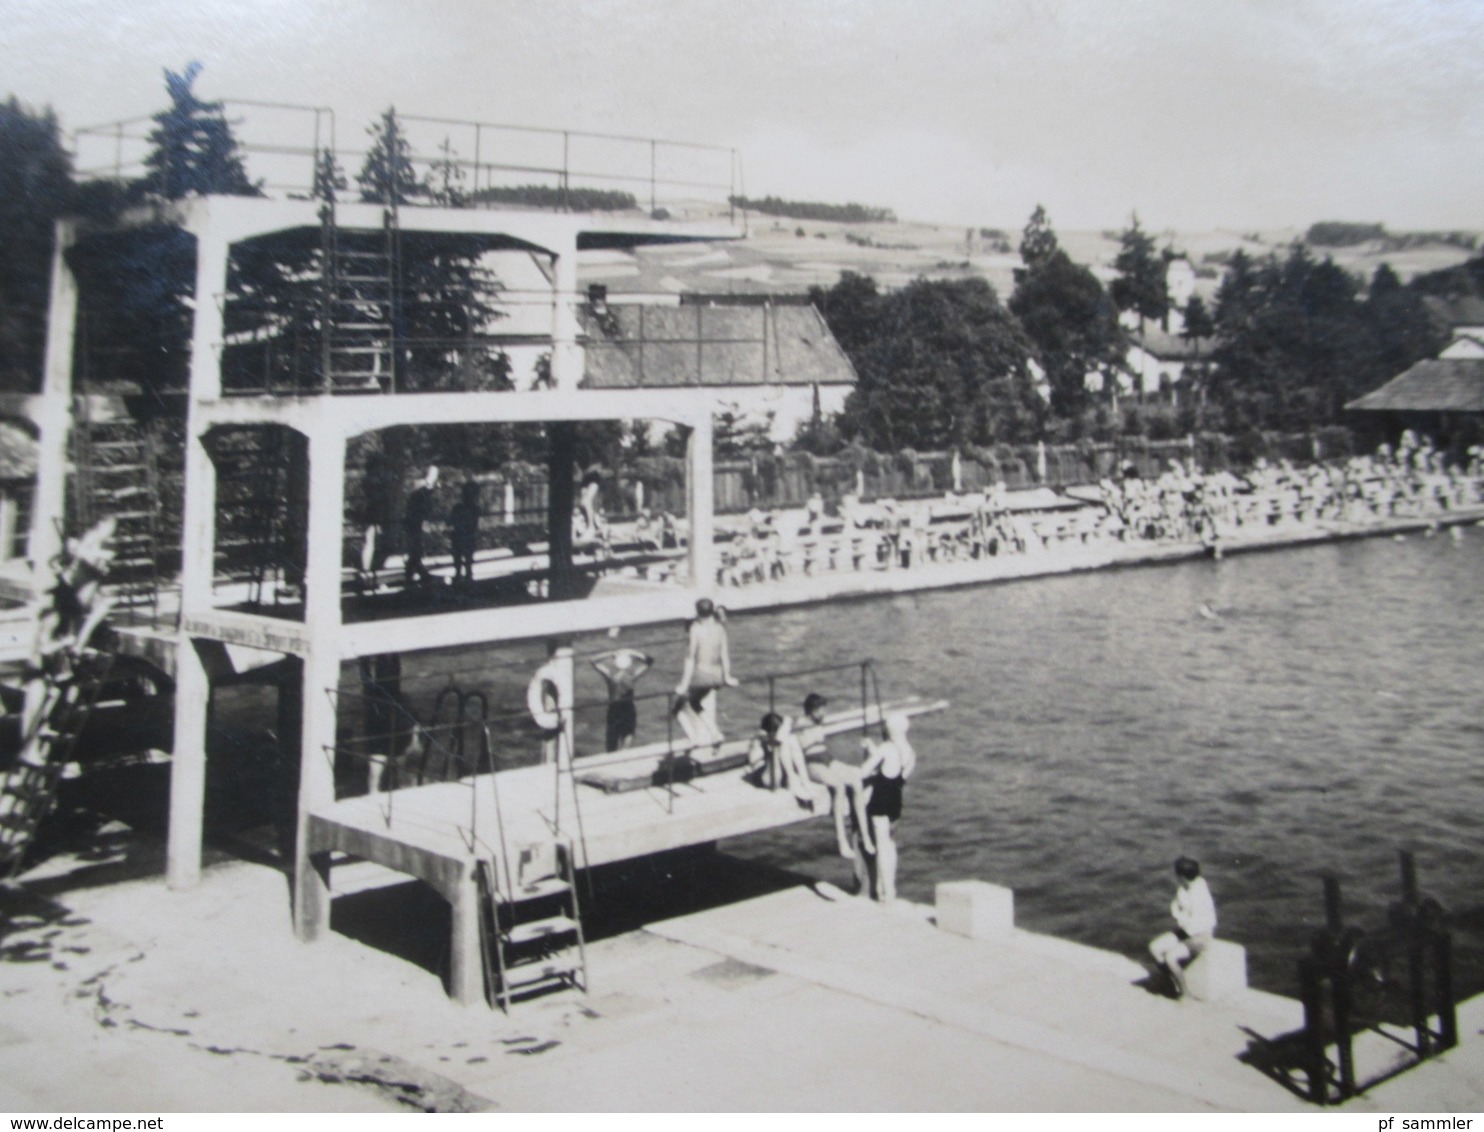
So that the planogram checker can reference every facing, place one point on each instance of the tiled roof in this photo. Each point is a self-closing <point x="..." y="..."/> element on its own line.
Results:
<point x="1447" y="385"/>
<point x="1465" y="310"/>
<point x="632" y="345"/>
<point x="1170" y="347"/>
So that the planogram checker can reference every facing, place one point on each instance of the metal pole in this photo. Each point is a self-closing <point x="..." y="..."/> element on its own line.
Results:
<point x="1443" y="989"/>
<point x="1417" y="990"/>
<point x="1317" y="1063"/>
<point x="1332" y="921"/>
<point x="1340" y="986"/>
<point x="1409" y="875"/>
<point x="651" y="176"/>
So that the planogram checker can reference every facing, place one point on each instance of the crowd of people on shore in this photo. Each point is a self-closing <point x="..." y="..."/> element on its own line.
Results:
<point x="1183" y="504"/>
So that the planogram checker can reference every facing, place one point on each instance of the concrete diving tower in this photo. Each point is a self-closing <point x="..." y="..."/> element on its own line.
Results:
<point x="314" y="639"/>
<point x="291" y="355"/>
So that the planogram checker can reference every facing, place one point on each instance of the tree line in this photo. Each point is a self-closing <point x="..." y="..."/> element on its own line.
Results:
<point x="816" y="210"/>
<point x="941" y="364"/>
<point x="949" y="364"/>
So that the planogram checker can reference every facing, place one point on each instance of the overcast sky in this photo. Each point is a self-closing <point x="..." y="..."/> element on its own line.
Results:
<point x="1197" y="113"/>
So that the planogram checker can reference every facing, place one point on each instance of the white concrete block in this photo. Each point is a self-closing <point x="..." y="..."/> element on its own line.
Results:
<point x="1218" y="972"/>
<point x="975" y="908"/>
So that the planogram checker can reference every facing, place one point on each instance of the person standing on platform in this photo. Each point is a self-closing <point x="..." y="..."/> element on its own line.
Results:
<point x="419" y="512"/>
<point x="1194" y="911"/>
<point x="708" y="664"/>
<point x="380" y="491"/>
<point x="888" y="765"/>
<point x="622" y="669"/>
<point x="841" y="779"/>
<point x="463" y="531"/>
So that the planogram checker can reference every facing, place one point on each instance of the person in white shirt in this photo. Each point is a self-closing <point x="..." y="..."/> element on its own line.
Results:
<point x="1195" y="924"/>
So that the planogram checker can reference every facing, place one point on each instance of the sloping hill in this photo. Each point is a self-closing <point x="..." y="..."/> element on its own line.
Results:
<point x="792" y="255"/>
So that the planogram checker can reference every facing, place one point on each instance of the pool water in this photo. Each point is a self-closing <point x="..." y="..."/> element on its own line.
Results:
<point x="1321" y="712"/>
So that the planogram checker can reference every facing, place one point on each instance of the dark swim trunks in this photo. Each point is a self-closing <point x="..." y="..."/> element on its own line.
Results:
<point x="622" y="720"/>
<point x="886" y="797"/>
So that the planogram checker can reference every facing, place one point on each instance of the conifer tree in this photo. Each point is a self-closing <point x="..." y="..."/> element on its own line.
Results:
<point x="35" y="188"/>
<point x="388" y="175"/>
<point x="1140" y="286"/>
<point x="194" y="149"/>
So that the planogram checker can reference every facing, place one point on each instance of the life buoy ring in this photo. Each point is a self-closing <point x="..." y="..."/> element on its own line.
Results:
<point x="547" y="676"/>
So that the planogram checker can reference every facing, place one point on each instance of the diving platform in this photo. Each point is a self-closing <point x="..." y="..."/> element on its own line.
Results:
<point x="611" y="807"/>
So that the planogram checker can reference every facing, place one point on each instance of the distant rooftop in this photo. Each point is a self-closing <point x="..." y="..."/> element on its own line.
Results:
<point x="711" y="341"/>
<point x="1465" y="310"/>
<point x="1171" y="347"/>
<point x="1436" y="385"/>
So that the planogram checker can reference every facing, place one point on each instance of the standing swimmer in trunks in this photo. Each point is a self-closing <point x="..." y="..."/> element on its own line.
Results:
<point x="708" y="664"/>
<point x="843" y="781"/>
<point x="887" y="766"/>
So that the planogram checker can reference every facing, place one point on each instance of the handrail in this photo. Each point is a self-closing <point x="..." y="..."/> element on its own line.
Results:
<point x="318" y="136"/>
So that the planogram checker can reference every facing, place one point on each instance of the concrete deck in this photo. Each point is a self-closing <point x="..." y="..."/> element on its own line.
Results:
<point x="133" y="997"/>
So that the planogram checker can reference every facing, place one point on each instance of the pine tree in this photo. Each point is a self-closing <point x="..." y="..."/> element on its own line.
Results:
<point x="329" y="178"/>
<point x="388" y="175"/>
<point x="446" y="178"/>
<point x="1197" y="319"/>
<point x="194" y="150"/>
<point x="1038" y="243"/>
<point x="35" y="188"/>
<point x="1140" y="286"/>
<point x="1067" y="313"/>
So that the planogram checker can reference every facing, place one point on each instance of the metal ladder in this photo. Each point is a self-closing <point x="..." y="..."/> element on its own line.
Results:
<point x="530" y="922"/>
<point x="28" y="789"/>
<point x="360" y="315"/>
<point x="117" y="476"/>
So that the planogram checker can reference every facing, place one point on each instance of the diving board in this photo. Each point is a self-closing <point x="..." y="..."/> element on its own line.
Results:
<point x="438" y="833"/>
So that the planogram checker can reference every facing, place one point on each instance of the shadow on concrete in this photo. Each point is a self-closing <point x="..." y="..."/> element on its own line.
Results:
<point x="408" y="920"/>
<point x="1283" y="1059"/>
<point x="412" y="922"/>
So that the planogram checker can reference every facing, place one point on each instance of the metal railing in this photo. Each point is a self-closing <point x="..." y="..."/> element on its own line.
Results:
<point x="462" y="162"/>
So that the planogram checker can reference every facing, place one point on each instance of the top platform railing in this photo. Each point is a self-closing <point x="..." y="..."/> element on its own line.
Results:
<point x="462" y="162"/>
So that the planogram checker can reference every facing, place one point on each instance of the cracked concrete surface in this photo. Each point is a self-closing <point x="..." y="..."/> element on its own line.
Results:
<point x="132" y="997"/>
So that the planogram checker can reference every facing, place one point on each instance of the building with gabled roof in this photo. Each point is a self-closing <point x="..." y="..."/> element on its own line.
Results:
<point x="1439" y="397"/>
<point x="770" y="356"/>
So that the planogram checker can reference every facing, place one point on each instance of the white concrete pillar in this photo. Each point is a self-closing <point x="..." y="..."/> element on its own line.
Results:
<point x="54" y="418"/>
<point x="321" y="666"/>
<point x="566" y="354"/>
<point x="188" y="767"/>
<point x="700" y="502"/>
<point x="198" y="527"/>
<point x="198" y="523"/>
<point x="212" y="251"/>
